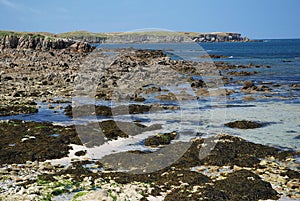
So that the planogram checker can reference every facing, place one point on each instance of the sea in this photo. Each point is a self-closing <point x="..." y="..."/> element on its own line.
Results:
<point x="277" y="63"/>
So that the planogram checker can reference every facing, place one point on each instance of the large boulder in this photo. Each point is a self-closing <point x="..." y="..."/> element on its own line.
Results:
<point x="81" y="47"/>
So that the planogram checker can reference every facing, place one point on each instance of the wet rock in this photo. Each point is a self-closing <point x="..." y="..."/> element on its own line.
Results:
<point x="244" y="124"/>
<point x="17" y="109"/>
<point x="231" y="151"/>
<point x="113" y="130"/>
<point x="241" y="73"/>
<point x="295" y="86"/>
<point x="248" y="85"/>
<point x="202" y="92"/>
<point x="102" y="110"/>
<point x="228" y="66"/>
<point x="214" y="56"/>
<point x="40" y="144"/>
<point x="160" y="139"/>
<point x="165" y="178"/>
<point x="138" y="99"/>
<point x="86" y="110"/>
<point x="198" y="192"/>
<point x="197" y="83"/>
<point x="245" y="185"/>
<point x="213" y="92"/>
<point x="80" y="153"/>
<point x="96" y="134"/>
<point x="263" y="88"/>
<point x="149" y="90"/>
<point x="167" y="97"/>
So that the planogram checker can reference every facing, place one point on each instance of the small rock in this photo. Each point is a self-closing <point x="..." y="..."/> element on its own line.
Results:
<point x="244" y="124"/>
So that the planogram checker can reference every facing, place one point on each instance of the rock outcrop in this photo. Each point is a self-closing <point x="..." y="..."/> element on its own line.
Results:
<point x="220" y="37"/>
<point x="39" y="42"/>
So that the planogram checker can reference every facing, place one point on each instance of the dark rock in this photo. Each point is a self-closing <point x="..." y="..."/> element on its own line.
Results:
<point x="95" y="134"/>
<point x="242" y="73"/>
<point x="80" y="153"/>
<point x="214" y="56"/>
<point x="102" y="110"/>
<point x="160" y="139"/>
<point x="113" y="130"/>
<point x="86" y="110"/>
<point x="149" y="90"/>
<point x="138" y="99"/>
<point x="198" y="84"/>
<point x="40" y="148"/>
<point x="17" y="109"/>
<point x="245" y="185"/>
<point x="236" y="151"/>
<point x="244" y="124"/>
<point x="292" y="174"/>
<point x="204" y="192"/>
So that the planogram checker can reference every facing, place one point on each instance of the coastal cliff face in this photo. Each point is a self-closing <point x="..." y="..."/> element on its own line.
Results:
<point x="42" y="43"/>
<point x="220" y="37"/>
<point x="173" y="37"/>
<point x="154" y="37"/>
<point x="147" y="38"/>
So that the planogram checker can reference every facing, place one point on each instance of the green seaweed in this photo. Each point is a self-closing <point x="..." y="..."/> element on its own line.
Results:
<point x="79" y="194"/>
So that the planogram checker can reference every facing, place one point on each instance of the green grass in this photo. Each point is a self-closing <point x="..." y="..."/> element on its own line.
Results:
<point x="78" y="34"/>
<point x="43" y="35"/>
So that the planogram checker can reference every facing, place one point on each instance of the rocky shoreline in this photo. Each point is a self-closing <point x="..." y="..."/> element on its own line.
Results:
<point x="37" y="70"/>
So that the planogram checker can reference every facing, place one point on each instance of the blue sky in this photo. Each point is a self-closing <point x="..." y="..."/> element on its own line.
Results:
<point x="254" y="18"/>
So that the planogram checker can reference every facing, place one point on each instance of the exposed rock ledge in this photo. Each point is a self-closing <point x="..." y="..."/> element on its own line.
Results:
<point x="40" y="42"/>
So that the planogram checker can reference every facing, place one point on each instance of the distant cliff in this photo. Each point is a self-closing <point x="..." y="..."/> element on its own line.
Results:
<point x="175" y="37"/>
<point x="63" y="40"/>
<point x="220" y="37"/>
<point x="154" y="37"/>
